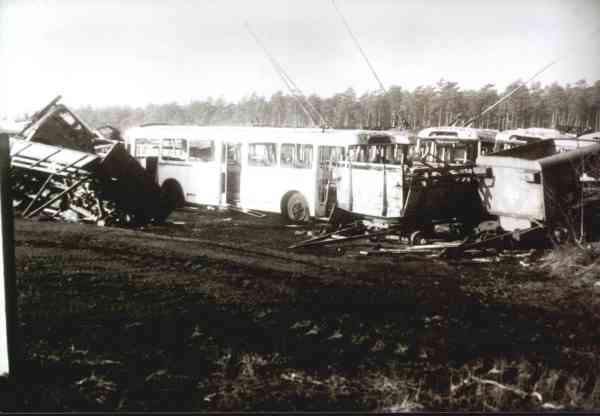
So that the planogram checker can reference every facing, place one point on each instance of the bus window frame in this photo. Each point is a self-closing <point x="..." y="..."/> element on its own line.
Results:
<point x="174" y="160"/>
<point x="274" y="161"/>
<point x="148" y="142"/>
<point x="192" y="159"/>
<point x="298" y="149"/>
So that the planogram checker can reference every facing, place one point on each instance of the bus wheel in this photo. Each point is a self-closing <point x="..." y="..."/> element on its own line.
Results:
<point x="296" y="208"/>
<point x="171" y="196"/>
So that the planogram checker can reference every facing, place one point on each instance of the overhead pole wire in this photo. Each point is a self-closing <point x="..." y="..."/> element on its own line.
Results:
<point x="312" y="113"/>
<point x="345" y="22"/>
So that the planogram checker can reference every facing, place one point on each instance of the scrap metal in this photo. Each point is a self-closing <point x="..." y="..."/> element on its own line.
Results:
<point x="63" y="168"/>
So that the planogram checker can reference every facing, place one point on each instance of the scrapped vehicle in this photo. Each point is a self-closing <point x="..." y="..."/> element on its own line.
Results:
<point x="382" y="181"/>
<point x="508" y="139"/>
<point x="536" y="185"/>
<point x="64" y="168"/>
<point x="454" y="145"/>
<point x="284" y="170"/>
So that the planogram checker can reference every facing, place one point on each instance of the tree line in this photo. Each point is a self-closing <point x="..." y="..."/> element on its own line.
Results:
<point x="571" y="108"/>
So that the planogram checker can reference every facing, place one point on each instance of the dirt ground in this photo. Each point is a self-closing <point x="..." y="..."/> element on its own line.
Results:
<point x="212" y="312"/>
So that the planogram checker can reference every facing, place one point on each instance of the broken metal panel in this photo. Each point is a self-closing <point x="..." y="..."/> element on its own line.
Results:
<point x="58" y="126"/>
<point x="510" y="192"/>
<point x="51" y="159"/>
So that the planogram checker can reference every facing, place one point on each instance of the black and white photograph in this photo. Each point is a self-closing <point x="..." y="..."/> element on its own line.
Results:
<point x="287" y="206"/>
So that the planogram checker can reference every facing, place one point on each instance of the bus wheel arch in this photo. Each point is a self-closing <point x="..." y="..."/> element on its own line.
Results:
<point x="294" y="207"/>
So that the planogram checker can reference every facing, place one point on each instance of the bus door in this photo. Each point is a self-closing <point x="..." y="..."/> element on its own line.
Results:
<point x="201" y="185"/>
<point x="326" y="187"/>
<point x="376" y="180"/>
<point x="395" y="157"/>
<point x="231" y="171"/>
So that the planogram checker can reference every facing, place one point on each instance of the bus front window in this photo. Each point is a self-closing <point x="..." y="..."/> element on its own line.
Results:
<point x="459" y="154"/>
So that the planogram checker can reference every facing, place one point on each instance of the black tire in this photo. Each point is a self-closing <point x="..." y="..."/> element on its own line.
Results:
<point x="295" y="208"/>
<point x="171" y="197"/>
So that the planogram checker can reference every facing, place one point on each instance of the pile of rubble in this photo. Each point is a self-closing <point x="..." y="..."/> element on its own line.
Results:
<point x="61" y="168"/>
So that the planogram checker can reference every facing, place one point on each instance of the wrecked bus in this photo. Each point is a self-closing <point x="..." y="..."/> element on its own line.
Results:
<point x="268" y="169"/>
<point x="509" y="139"/>
<point x="385" y="181"/>
<point x="454" y="145"/>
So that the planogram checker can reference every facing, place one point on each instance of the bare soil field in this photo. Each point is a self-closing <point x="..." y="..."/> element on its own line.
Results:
<point x="212" y="312"/>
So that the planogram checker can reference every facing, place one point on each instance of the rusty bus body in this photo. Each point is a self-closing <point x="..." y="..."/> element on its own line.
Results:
<point x="536" y="183"/>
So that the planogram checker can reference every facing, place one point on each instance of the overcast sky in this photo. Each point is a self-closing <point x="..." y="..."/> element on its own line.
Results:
<point x="133" y="52"/>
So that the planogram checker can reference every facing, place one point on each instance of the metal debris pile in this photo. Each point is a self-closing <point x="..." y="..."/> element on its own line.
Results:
<point x="364" y="238"/>
<point x="530" y="196"/>
<point x="63" y="169"/>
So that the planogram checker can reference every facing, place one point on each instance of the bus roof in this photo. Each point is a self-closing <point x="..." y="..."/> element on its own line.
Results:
<point x="403" y="136"/>
<point x="244" y="134"/>
<point x="531" y="134"/>
<point x="457" y="133"/>
<point x="386" y="137"/>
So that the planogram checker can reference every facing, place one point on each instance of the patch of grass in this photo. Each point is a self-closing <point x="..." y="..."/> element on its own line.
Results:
<point x="572" y="262"/>
<point x="522" y="385"/>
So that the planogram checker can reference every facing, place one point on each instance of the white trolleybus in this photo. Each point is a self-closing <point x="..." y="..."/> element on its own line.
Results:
<point x="268" y="169"/>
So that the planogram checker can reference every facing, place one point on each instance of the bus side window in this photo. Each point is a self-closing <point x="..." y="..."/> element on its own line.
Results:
<point x="262" y="154"/>
<point x="354" y="154"/>
<point x="146" y="147"/>
<point x="337" y="154"/>
<point x="304" y="155"/>
<point x="330" y="154"/>
<point x="202" y="150"/>
<point x="174" y="149"/>
<point x="287" y="155"/>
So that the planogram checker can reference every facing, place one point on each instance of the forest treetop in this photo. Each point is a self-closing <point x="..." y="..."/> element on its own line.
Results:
<point x="572" y="107"/>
